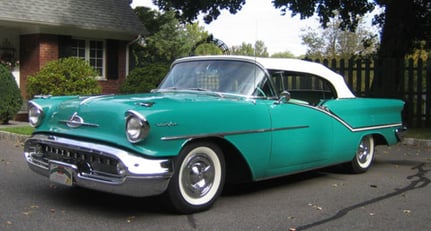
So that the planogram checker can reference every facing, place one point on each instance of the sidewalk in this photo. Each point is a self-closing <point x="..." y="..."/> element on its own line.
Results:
<point x="417" y="142"/>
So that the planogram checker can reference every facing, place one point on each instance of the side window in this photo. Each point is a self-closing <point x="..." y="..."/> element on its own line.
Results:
<point x="265" y="89"/>
<point x="303" y="86"/>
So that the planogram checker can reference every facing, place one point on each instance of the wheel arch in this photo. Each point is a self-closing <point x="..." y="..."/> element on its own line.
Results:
<point x="237" y="169"/>
<point x="379" y="139"/>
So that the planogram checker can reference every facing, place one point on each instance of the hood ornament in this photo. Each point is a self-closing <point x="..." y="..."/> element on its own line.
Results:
<point x="77" y="121"/>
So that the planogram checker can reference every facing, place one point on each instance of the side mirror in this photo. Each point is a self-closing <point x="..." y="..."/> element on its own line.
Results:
<point x="284" y="97"/>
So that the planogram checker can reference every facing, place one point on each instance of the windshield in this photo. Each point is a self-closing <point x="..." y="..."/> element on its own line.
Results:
<point x="222" y="76"/>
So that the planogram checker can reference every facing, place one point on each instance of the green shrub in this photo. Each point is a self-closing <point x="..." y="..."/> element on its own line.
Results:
<point x="144" y="79"/>
<point x="66" y="76"/>
<point x="10" y="95"/>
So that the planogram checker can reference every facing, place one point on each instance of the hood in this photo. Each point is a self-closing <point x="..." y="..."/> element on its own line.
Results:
<point x="103" y="118"/>
<point x="104" y="110"/>
<point x="108" y="107"/>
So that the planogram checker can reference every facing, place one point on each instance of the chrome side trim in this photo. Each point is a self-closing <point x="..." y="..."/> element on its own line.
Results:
<point x="352" y="129"/>
<point x="374" y="127"/>
<point x="223" y="134"/>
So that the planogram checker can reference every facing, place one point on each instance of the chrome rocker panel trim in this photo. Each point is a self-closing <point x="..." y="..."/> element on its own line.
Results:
<point x="142" y="176"/>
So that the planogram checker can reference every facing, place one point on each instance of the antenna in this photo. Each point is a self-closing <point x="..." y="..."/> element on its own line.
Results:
<point x="255" y="54"/>
<point x="255" y="38"/>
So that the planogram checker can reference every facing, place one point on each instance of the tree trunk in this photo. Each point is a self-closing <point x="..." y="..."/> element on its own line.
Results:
<point x="397" y="36"/>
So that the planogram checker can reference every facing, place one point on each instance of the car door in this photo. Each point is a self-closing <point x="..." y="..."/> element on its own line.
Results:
<point x="302" y="138"/>
<point x="303" y="135"/>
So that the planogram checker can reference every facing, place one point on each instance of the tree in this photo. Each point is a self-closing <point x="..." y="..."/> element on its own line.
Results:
<point x="243" y="49"/>
<point x="188" y="10"/>
<point x="169" y="38"/>
<point x="11" y="100"/>
<point x="201" y="42"/>
<point x="210" y="46"/>
<point x="314" y="42"/>
<point x="285" y="54"/>
<point x="166" y="42"/>
<point x="334" y="43"/>
<point x="403" y="22"/>
<point x="259" y="49"/>
<point x="207" y="49"/>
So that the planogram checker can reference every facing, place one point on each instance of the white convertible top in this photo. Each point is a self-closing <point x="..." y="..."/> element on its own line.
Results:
<point x="297" y="65"/>
<point x="293" y="65"/>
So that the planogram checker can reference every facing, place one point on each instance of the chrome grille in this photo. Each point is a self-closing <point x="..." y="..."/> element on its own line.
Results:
<point x="87" y="161"/>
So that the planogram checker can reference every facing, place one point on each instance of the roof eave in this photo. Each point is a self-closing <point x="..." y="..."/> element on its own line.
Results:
<point x="30" y="27"/>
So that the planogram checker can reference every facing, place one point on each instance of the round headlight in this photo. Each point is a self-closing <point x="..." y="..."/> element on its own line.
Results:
<point x="137" y="127"/>
<point x="35" y="115"/>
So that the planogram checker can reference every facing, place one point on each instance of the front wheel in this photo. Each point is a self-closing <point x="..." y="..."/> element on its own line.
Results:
<point x="364" y="155"/>
<point x="198" y="179"/>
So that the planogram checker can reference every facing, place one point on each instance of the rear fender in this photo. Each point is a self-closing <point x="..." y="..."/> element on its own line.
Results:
<point x="367" y="113"/>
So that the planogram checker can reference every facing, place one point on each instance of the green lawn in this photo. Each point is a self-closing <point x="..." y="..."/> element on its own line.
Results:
<point x="24" y="130"/>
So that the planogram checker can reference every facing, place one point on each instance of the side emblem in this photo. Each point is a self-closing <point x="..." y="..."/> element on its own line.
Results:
<point x="167" y="124"/>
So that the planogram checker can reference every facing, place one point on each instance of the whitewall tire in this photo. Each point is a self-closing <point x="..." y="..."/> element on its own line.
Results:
<point x="198" y="179"/>
<point x="364" y="155"/>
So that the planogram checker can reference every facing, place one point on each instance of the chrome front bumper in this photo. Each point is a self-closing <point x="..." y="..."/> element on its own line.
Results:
<point x="98" y="166"/>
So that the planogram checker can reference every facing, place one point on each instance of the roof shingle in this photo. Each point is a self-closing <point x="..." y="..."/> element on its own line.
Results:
<point x="102" y="15"/>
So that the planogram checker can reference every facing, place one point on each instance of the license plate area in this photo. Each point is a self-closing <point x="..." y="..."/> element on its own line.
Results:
<point x="61" y="173"/>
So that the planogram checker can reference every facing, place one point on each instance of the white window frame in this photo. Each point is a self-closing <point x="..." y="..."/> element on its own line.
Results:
<point x="87" y="54"/>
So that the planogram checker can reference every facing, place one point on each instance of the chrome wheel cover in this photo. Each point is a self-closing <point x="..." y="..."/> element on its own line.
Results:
<point x="365" y="152"/>
<point x="200" y="176"/>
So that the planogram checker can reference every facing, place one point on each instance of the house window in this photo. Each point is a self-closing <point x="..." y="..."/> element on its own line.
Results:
<point x="92" y="51"/>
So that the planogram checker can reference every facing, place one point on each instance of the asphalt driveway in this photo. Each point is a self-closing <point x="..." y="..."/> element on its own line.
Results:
<point x="393" y="195"/>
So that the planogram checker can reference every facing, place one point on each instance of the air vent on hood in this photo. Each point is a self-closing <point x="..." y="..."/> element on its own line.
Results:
<point x="146" y="104"/>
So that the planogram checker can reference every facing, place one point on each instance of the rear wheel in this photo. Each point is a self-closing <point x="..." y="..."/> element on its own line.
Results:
<point x="198" y="179"/>
<point x="364" y="155"/>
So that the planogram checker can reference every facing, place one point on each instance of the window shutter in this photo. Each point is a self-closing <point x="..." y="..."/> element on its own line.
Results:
<point x="112" y="59"/>
<point x="64" y="46"/>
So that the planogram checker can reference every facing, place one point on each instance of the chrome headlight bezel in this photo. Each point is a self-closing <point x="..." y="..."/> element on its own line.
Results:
<point x="35" y="114"/>
<point x="137" y="127"/>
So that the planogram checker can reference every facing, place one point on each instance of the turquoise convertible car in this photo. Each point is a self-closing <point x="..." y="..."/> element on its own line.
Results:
<point x="214" y="120"/>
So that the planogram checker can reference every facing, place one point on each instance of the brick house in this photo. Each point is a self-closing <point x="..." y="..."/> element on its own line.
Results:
<point x="34" y="32"/>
